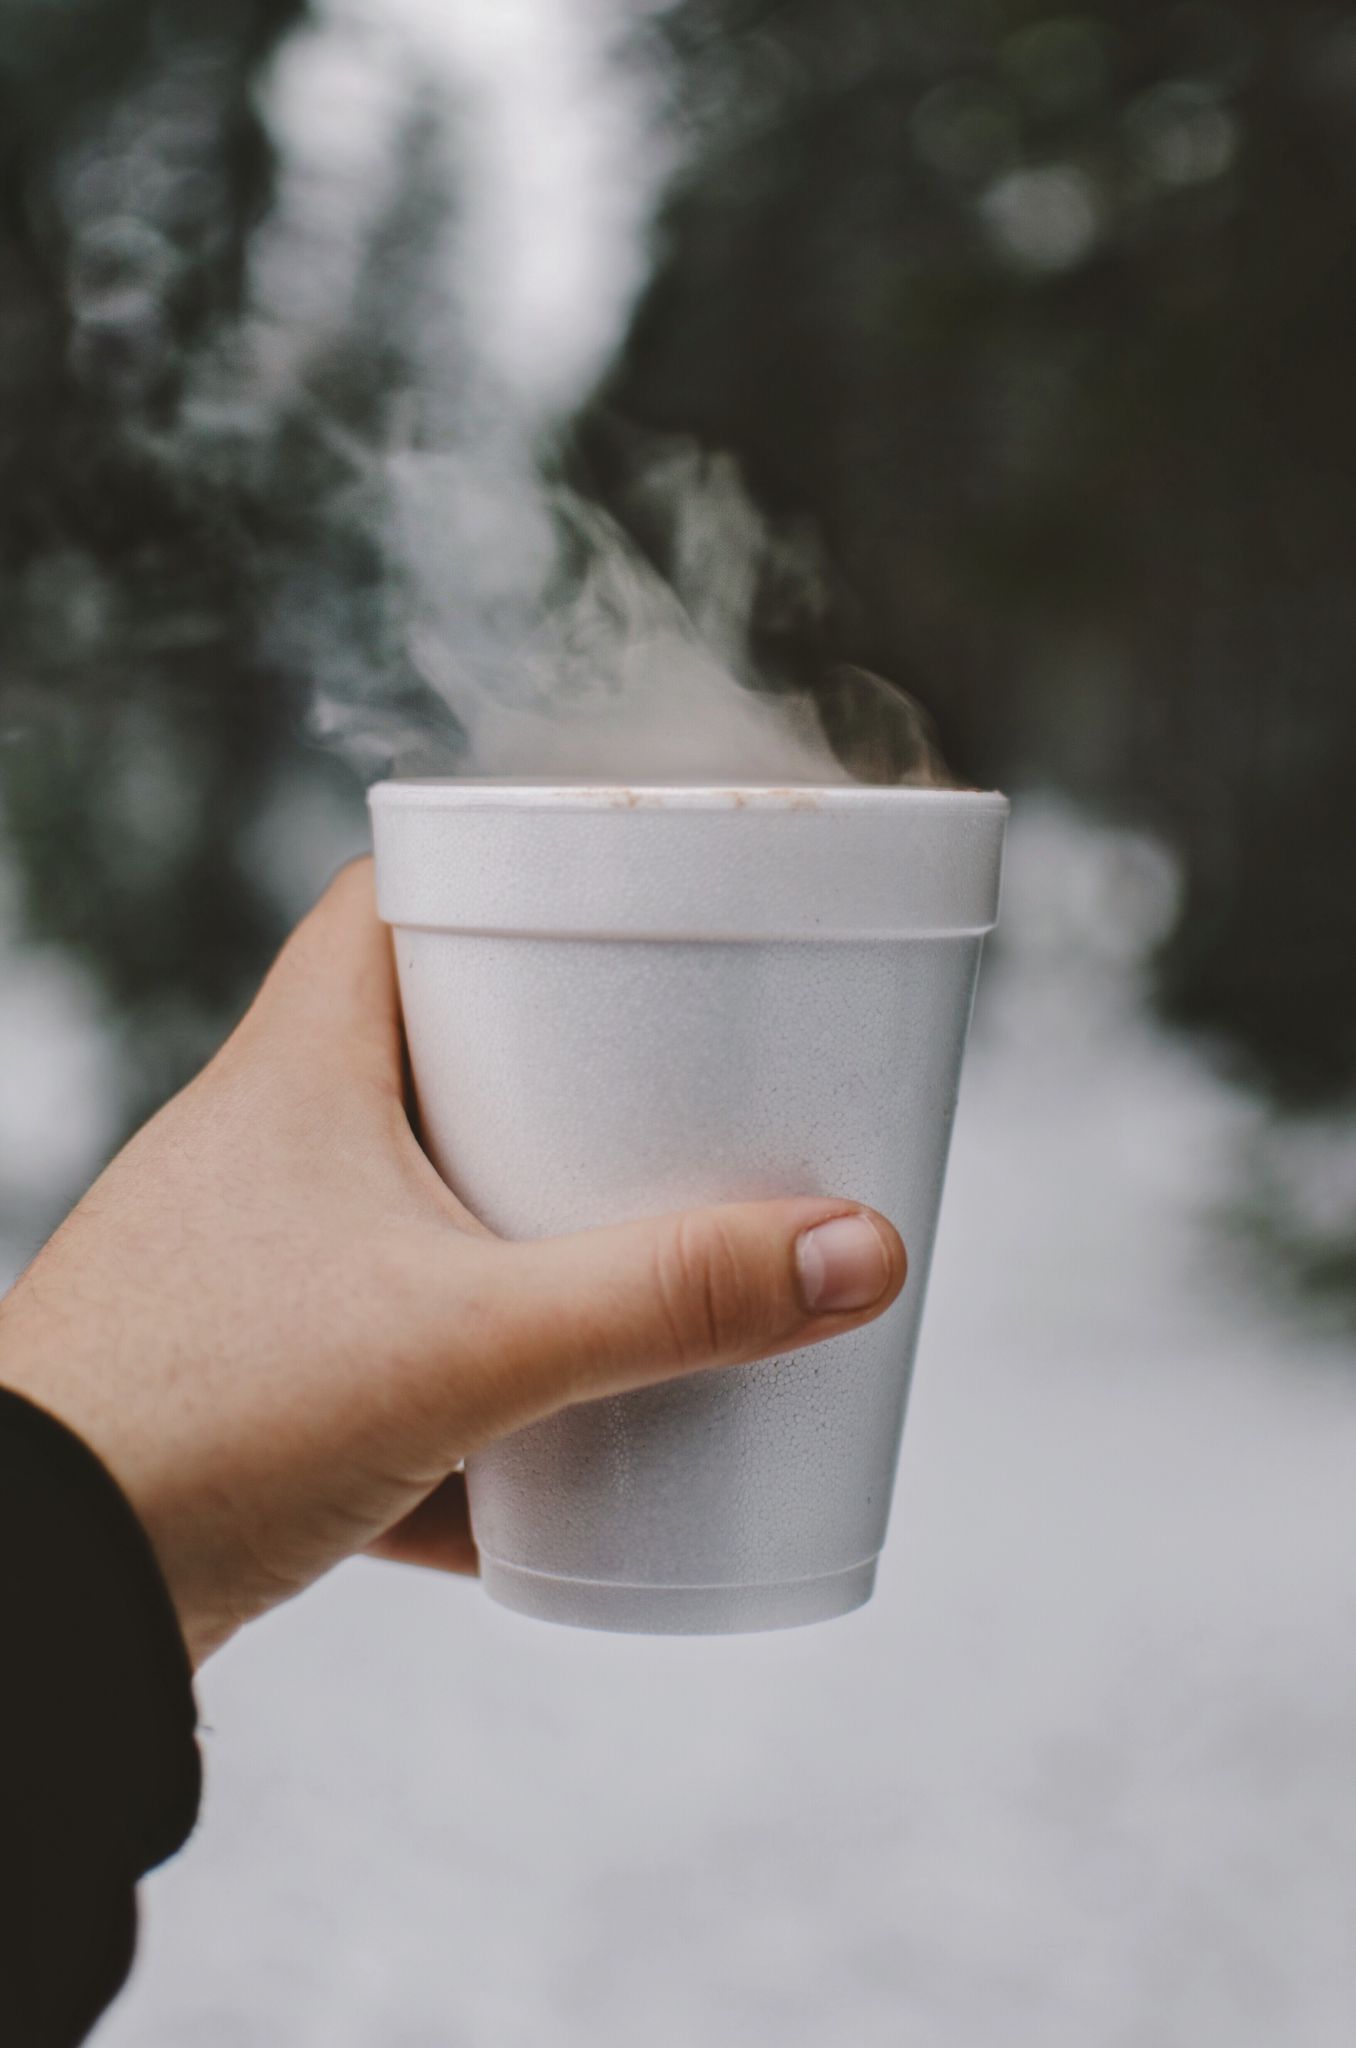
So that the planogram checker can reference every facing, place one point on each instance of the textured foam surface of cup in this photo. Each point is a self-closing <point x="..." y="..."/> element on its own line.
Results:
<point x="678" y="1610"/>
<point x="564" y="1084"/>
<point x="607" y="1020"/>
<point x="744" y="861"/>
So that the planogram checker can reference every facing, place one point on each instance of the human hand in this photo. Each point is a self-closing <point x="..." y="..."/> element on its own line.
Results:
<point x="282" y="1332"/>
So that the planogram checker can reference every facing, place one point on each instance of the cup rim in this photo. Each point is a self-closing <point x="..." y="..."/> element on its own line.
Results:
<point x="489" y="793"/>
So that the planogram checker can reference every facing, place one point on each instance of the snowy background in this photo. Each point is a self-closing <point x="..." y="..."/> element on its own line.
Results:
<point x="1085" y="1770"/>
<point x="1083" y="1775"/>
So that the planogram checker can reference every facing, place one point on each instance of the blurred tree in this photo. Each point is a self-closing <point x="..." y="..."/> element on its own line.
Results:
<point x="1040" y="313"/>
<point x="136" y="736"/>
<point x="1045" y="313"/>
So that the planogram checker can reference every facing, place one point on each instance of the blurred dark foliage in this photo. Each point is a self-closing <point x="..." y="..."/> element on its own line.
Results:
<point x="137" y="733"/>
<point x="1044" y="316"/>
<point x="1048" y="315"/>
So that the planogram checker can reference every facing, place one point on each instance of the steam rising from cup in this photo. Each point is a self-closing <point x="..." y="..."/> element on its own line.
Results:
<point x="562" y="650"/>
<point x="521" y="627"/>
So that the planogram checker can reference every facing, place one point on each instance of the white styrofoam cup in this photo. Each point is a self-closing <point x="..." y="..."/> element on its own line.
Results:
<point x="625" y="1001"/>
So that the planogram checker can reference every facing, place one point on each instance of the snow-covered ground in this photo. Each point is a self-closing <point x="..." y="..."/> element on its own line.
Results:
<point x="1084" y="1773"/>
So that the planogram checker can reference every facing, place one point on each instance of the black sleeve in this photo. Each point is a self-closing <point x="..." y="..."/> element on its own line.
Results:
<point x="99" y="1768"/>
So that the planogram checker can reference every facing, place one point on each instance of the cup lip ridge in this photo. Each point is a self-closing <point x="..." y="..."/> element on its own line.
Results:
<point x="488" y="793"/>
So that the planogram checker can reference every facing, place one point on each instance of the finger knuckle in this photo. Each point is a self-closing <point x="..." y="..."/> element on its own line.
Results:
<point x="709" y="1304"/>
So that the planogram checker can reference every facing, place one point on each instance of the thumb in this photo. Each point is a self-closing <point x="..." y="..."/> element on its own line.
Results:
<point x="613" y="1309"/>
